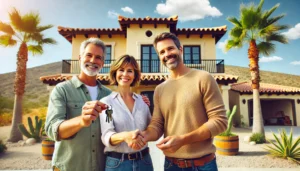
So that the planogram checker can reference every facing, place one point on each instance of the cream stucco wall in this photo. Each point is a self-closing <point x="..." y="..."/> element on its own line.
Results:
<point x="136" y="37"/>
<point x="117" y="42"/>
<point x="281" y="103"/>
<point x="207" y="44"/>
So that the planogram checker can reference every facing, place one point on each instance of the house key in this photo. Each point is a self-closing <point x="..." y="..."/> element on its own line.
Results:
<point x="109" y="113"/>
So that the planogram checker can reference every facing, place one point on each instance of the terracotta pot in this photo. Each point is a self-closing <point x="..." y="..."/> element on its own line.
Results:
<point x="228" y="146"/>
<point x="47" y="149"/>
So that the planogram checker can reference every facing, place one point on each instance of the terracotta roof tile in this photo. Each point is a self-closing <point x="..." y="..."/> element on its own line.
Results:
<point x="208" y="29"/>
<point x="172" y="18"/>
<point x="69" y="29"/>
<point x="245" y="87"/>
<point x="156" y="77"/>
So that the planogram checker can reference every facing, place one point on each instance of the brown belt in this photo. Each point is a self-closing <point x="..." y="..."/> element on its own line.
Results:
<point x="185" y="163"/>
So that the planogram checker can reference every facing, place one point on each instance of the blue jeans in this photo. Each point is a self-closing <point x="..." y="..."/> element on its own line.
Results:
<point x="114" y="164"/>
<point x="210" y="166"/>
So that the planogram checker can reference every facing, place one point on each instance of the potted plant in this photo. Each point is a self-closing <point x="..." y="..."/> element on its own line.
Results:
<point x="227" y="143"/>
<point x="48" y="148"/>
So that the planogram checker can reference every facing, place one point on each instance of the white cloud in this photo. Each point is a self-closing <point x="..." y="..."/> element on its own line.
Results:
<point x="222" y="45"/>
<point x="127" y="9"/>
<point x="188" y="9"/>
<point x="270" y="59"/>
<point x="293" y="33"/>
<point x="112" y="14"/>
<point x="295" y="63"/>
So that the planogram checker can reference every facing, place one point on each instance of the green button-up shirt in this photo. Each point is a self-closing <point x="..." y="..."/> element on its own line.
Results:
<point x="84" y="150"/>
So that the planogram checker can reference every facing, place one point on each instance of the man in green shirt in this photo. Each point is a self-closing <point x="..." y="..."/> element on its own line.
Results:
<point x="73" y="111"/>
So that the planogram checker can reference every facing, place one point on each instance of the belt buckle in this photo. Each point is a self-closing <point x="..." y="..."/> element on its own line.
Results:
<point x="132" y="158"/>
<point x="185" y="163"/>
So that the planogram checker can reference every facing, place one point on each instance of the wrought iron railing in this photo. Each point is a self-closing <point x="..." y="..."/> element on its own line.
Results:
<point x="151" y="66"/>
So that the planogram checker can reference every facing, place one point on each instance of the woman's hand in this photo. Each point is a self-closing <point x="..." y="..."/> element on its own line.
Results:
<point x="136" y="143"/>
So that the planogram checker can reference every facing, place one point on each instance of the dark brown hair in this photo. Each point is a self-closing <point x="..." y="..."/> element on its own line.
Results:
<point x="164" y="36"/>
<point x="123" y="61"/>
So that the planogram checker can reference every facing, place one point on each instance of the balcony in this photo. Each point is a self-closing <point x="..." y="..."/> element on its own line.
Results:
<point x="150" y="66"/>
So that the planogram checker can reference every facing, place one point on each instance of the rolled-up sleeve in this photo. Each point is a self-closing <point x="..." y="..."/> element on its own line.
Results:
<point x="56" y="113"/>
<point x="107" y="129"/>
<point x="214" y="105"/>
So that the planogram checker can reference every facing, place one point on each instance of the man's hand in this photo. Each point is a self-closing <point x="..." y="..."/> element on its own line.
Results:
<point x="91" y="111"/>
<point x="146" y="100"/>
<point x="170" y="144"/>
<point x="135" y="143"/>
<point x="135" y="136"/>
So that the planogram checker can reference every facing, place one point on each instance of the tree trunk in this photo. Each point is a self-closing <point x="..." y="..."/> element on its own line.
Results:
<point x="258" y="124"/>
<point x="19" y="88"/>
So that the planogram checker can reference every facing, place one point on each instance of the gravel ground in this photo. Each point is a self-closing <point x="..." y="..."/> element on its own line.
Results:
<point x="29" y="157"/>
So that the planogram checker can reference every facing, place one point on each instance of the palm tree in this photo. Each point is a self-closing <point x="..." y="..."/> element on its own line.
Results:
<point x="256" y="28"/>
<point x="26" y="31"/>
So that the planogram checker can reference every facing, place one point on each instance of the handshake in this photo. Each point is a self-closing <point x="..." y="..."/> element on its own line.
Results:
<point x="138" y="139"/>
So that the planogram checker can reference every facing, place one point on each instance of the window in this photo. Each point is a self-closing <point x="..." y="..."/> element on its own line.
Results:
<point x="149" y="59"/>
<point x="107" y="61"/>
<point x="191" y="54"/>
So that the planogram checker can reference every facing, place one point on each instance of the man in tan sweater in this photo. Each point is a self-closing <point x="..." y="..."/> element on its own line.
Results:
<point x="188" y="111"/>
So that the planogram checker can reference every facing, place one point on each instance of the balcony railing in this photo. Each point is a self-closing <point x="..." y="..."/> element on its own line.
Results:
<point x="150" y="66"/>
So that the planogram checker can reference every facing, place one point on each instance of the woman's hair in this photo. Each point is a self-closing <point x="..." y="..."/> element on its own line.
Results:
<point x="123" y="61"/>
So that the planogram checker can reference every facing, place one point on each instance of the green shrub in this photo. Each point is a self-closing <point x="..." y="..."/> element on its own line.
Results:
<point x="5" y="119"/>
<point x="284" y="147"/>
<point x="258" y="138"/>
<point x="2" y="147"/>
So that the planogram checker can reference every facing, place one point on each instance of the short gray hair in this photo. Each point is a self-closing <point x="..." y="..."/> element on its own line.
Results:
<point x="94" y="41"/>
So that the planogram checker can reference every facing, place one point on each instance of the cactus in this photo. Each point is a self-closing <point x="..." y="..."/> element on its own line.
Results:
<point x="230" y="117"/>
<point x="35" y="132"/>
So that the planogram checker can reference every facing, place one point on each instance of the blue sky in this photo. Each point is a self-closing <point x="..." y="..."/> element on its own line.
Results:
<point x="191" y="14"/>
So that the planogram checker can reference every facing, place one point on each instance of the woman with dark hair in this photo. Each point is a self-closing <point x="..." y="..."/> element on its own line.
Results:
<point x="129" y="114"/>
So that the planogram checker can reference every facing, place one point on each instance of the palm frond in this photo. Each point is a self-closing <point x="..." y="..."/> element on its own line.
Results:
<point x="43" y="28"/>
<point x="35" y="37"/>
<point x="250" y="17"/>
<point x="273" y="20"/>
<point x="35" y="49"/>
<point x="233" y="43"/>
<point x="268" y="13"/>
<point x="234" y="21"/>
<point x="30" y="22"/>
<point x="16" y="19"/>
<point x="259" y="7"/>
<point x="6" y="40"/>
<point x="277" y="37"/>
<point x="236" y="32"/>
<point x="6" y="28"/>
<point x="266" y="48"/>
<point x="48" y="41"/>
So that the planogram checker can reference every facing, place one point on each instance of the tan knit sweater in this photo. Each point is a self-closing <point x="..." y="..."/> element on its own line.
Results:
<point x="183" y="105"/>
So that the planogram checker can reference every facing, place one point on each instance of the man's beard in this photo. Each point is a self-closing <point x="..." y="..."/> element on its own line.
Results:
<point x="173" y="65"/>
<point x="84" y="67"/>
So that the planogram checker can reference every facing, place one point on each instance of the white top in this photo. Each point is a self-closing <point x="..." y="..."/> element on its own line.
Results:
<point x="93" y="90"/>
<point x="123" y="120"/>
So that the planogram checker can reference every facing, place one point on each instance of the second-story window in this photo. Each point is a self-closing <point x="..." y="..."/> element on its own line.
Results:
<point x="191" y="55"/>
<point x="107" y="61"/>
<point x="149" y="59"/>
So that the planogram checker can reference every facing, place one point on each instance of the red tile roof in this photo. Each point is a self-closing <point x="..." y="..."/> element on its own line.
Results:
<point x="145" y="78"/>
<point x="125" y="22"/>
<point x="172" y="18"/>
<point x="245" y="88"/>
<point x="208" y="29"/>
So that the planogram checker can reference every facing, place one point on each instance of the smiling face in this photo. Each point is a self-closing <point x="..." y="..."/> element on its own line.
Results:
<point x="92" y="60"/>
<point x="168" y="53"/>
<point x="125" y="75"/>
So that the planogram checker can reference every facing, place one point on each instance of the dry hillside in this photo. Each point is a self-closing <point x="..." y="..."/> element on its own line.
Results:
<point x="35" y="88"/>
